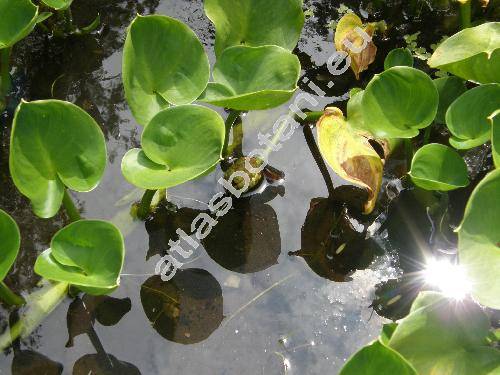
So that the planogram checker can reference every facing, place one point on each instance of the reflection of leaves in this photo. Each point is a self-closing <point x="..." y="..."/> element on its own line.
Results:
<point x="186" y="309"/>
<point x="83" y="312"/>
<point x="393" y="298"/>
<point x="94" y="364"/>
<point x="29" y="362"/>
<point x="331" y="244"/>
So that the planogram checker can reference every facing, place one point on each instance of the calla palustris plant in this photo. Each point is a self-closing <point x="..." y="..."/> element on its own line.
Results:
<point x="398" y="57"/>
<point x="54" y="145"/>
<point x="438" y="167"/>
<point x="255" y="23"/>
<point x="479" y="240"/>
<point x="449" y="89"/>
<point x="58" y="4"/>
<point x="88" y="254"/>
<point x="164" y="64"/>
<point x="178" y="145"/>
<point x="472" y="54"/>
<point x="467" y="116"/>
<point x="495" y="137"/>
<point x="253" y="78"/>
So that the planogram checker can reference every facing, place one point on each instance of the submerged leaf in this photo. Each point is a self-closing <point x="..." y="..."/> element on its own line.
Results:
<point x="350" y="154"/>
<point x="11" y="240"/>
<point x="255" y="22"/>
<point x="54" y="144"/>
<point x="18" y="20"/>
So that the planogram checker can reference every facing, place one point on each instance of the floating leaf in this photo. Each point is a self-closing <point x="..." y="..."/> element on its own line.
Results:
<point x="11" y="240"/>
<point x="18" y="20"/>
<point x="449" y="89"/>
<point x="54" y="144"/>
<point x="253" y="78"/>
<point x="438" y="167"/>
<point x="467" y="117"/>
<point x="398" y="57"/>
<point x="179" y="144"/>
<point x="375" y="359"/>
<point x="479" y="240"/>
<point x="399" y="102"/>
<point x="255" y="22"/>
<point x="443" y="337"/>
<point x="88" y="254"/>
<point x="163" y="63"/>
<point x="495" y="137"/>
<point x="362" y="51"/>
<point x="58" y="4"/>
<point x="472" y="54"/>
<point x="350" y="154"/>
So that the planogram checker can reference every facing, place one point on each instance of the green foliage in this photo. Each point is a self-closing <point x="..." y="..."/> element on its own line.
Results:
<point x="163" y="63"/>
<point x="467" y="117"/>
<point x="178" y="145"/>
<point x="398" y="57"/>
<point x="438" y="167"/>
<point x="479" y="240"/>
<point x="255" y="22"/>
<point x="495" y="137"/>
<point x="399" y="102"/>
<point x="252" y="78"/>
<point x="472" y="54"/>
<point x="11" y="240"/>
<point x="54" y="144"/>
<point x="449" y="89"/>
<point x="18" y="20"/>
<point x="376" y="359"/>
<point x="88" y="254"/>
<point x="58" y="4"/>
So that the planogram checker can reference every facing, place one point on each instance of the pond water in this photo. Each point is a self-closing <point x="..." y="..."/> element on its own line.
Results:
<point x="248" y="303"/>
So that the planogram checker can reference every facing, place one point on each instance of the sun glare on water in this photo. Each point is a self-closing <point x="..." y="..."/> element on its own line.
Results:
<point x="451" y="279"/>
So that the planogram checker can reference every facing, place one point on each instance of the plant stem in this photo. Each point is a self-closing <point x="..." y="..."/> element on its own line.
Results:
<point x="5" y="83"/>
<point x="409" y="152"/>
<point x="9" y="297"/>
<point x="145" y="205"/>
<point x="69" y="206"/>
<point x="311" y="117"/>
<point x="465" y="13"/>
<point x="427" y="135"/>
<point x="231" y="119"/>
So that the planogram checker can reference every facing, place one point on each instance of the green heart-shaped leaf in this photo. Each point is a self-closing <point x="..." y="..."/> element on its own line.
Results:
<point x="438" y="167"/>
<point x="350" y="154"/>
<point x="253" y="78"/>
<point x="399" y="102"/>
<point x="164" y="63"/>
<point x="255" y="22"/>
<point x="472" y="54"/>
<point x="449" y="89"/>
<point x="18" y="20"/>
<point x="11" y="240"/>
<point x="441" y="336"/>
<point x="479" y="240"/>
<point x="376" y="359"/>
<point x="398" y="57"/>
<point x="179" y="144"/>
<point x="58" y="4"/>
<point x="495" y="137"/>
<point x="467" y="117"/>
<point x="87" y="253"/>
<point x="54" y="144"/>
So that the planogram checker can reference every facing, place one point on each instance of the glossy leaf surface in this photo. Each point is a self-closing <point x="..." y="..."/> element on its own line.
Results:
<point x="87" y="253"/>
<point x="18" y="20"/>
<point x="449" y="89"/>
<point x="398" y="57"/>
<point x="255" y="22"/>
<point x="253" y="78"/>
<point x="10" y="242"/>
<point x="438" y="167"/>
<point x="495" y="137"/>
<point x="58" y="4"/>
<point x="163" y="63"/>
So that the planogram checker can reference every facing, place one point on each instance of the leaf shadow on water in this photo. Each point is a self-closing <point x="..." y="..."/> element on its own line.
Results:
<point x="186" y="309"/>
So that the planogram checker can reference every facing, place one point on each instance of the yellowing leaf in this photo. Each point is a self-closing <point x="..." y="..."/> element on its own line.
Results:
<point x="350" y="154"/>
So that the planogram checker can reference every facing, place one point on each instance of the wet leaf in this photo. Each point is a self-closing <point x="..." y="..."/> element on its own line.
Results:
<point x="350" y="154"/>
<point x="495" y="137"/>
<point x="95" y="364"/>
<point x="467" y="117"/>
<point x="58" y="4"/>
<point x="29" y="362"/>
<point x="398" y="57"/>
<point x="375" y="359"/>
<point x="11" y="240"/>
<point x="399" y="102"/>
<point x="479" y="240"/>
<point x="18" y="20"/>
<point x="88" y="254"/>
<point x="54" y="144"/>
<point x="163" y="62"/>
<point x="255" y="23"/>
<point x="443" y="337"/>
<point x="438" y="167"/>
<point x="472" y="54"/>
<point x="186" y="309"/>
<point x="179" y="144"/>
<point x="253" y="78"/>
<point x="449" y="89"/>
<point x="347" y="32"/>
